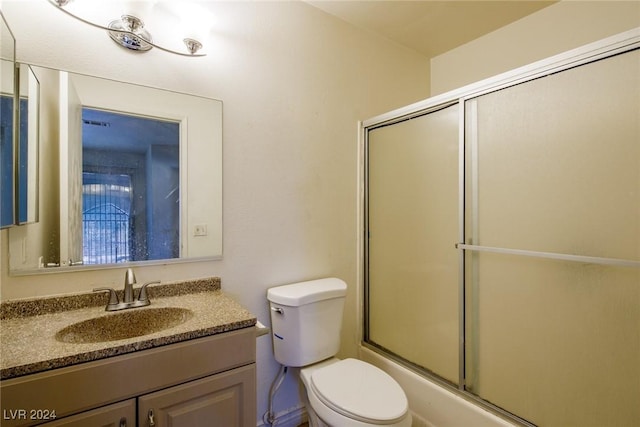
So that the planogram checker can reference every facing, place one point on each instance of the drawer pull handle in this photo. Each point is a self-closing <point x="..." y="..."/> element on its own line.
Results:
<point x="152" y="422"/>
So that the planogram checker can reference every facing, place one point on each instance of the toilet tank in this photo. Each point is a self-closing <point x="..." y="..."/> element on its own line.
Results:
<point x="306" y="319"/>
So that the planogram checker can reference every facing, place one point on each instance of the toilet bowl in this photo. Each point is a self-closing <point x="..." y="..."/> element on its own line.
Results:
<point x="306" y="318"/>
<point x="353" y="393"/>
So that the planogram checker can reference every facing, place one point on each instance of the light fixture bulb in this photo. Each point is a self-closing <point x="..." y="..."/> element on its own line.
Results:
<point x="192" y="45"/>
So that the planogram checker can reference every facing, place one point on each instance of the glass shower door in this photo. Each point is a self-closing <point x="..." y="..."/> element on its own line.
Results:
<point x="413" y="224"/>
<point x="553" y="167"/>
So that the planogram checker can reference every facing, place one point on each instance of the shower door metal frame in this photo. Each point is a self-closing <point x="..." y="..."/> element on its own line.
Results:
<point x="608" y="47"/>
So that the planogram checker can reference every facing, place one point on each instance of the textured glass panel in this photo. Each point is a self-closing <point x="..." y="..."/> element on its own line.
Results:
<point x="555" y="342"/>
<point x="554" y="165"/>
<point x="413" y="226"/>
<point x="557" y="162"/>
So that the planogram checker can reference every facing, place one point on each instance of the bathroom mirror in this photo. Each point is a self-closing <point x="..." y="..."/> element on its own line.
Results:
<point x="28" y="145"/>
<point x="19" y="146"/>
<point x="138" y="173"/>
<point x="8" y="116"/>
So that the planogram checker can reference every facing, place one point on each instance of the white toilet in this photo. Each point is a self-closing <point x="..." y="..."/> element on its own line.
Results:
<point x="305" y="319"/>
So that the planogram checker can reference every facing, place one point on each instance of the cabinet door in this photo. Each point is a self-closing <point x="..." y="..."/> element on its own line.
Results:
<point x="121" y="414"/>
<point x="223" y="400"/>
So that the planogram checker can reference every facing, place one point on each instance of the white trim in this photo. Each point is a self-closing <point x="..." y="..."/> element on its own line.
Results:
<point x="360" y="227"/>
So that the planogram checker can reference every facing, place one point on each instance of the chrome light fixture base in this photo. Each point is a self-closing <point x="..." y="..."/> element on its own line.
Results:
<point x="129" y="32"/>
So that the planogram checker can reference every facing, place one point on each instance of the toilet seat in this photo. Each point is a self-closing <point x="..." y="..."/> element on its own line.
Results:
<point x="360" y="391"/>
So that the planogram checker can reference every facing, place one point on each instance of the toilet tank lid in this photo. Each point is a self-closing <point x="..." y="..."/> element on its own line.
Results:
<point x="302" y="293"/>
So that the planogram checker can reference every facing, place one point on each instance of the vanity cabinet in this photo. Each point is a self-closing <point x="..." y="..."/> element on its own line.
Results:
<point x="216" y="401"/>
<point x="219" y="400"/>
<point x="209" y="381"/>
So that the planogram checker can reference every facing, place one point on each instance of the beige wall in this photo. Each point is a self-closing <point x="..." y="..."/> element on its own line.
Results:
<point x="553" y="30"/>
<point x="294" y="82"/>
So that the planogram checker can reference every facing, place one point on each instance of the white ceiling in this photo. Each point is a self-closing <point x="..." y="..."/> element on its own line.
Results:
<point x="428" y="26"/>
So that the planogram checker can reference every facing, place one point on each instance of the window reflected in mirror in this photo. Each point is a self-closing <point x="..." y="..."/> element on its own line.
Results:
<point x="7" y="161"/>
<point x="8" y="156"/>
<point x="130" y="188"/>
<point x="8" y="153"/>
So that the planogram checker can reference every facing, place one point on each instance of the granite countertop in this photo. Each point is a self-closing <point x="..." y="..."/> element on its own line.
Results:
<point x="28" y="327"/>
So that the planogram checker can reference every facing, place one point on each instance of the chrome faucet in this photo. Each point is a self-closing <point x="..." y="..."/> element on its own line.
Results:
<point x="129" y="281"/>
<point x="128" y="301"/>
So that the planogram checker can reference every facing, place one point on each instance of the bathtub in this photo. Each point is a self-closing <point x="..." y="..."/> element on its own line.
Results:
<point x="431" y="404"/>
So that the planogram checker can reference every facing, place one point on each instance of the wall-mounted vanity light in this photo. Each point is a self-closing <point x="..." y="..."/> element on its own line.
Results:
<point x="129" y="32"/>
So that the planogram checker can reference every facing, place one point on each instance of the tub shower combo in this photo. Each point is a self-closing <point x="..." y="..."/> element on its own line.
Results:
<point x="501" y="243"/>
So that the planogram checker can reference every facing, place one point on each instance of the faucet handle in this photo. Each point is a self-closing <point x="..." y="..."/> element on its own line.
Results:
<point x="113" y="297"/>
<point x="142" y="296"/>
